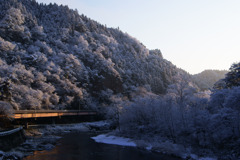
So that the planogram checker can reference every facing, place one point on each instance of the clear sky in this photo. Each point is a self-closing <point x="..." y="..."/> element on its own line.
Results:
<point x="192" y="34"/>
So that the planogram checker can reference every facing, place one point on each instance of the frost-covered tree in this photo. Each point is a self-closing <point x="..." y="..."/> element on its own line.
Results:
<point x="6" y="113"/>
<point x="232" y="99"/>
<point x="233" y="76"/>
<point x="6" y="45"/>
<point x="13" y="24"/>
<point x="70" y="60"/>
<point x="181" y="90"/>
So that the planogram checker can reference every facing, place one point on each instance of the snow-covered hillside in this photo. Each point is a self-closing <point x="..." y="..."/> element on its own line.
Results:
<point x="206" y="79"/>
<point x="56" y="58"/>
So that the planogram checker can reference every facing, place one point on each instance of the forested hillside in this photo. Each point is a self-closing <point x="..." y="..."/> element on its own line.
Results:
<point x="206" y="79"/>
<point x="53" y="58"/>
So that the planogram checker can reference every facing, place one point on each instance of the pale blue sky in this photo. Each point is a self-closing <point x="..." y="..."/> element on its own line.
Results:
<point x="192" y="34"/>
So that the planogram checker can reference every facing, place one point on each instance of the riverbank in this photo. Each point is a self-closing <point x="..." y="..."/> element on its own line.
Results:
<point x="156" y="143"/>
<point x="45" y="137"/>
<point x="151" y="144"/>
<point x="80" y="145"/>
<point x="11" y="138"/>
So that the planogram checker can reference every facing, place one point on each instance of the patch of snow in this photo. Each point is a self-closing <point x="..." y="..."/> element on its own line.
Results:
<point x="103" y="138"/>
<point x="195" y="157"/>
<point x="207" y="158"/>
<point x="98" y="123"/>
<point x="149" y="148"/>
<point x="49" y="129"/>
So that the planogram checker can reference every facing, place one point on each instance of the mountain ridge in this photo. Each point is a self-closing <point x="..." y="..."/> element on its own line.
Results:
<point x="206" y="79"/>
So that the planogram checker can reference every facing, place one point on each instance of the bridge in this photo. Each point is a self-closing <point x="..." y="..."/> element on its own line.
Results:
<point x="22" y="114"/>
<point x="26" y="116"/>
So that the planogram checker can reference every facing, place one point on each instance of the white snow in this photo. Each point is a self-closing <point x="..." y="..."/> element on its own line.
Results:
<point x="149" y="148"/>
<point x="66" y="128"/>
<point x="103" y="138"/>
<point x="98" y="123"/>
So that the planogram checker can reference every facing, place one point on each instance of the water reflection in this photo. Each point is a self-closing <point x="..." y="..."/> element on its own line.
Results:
<point x="79" y="146"/>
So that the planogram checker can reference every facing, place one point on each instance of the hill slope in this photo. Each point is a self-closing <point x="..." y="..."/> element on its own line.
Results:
<point x="56" y="58"/>
<point x="206" y="79"/>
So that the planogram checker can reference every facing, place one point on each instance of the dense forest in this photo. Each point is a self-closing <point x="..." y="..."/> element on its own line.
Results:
<point x="54" y="58"/>
<point x="208" y="122"/>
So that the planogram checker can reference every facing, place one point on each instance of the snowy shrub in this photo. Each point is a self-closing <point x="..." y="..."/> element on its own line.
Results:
<point x="143" y="115"/>
<point x="65" y="34"/>
<point x="13" y="17"/>
<point x="13" y="24"/>
<point x="27" y="98"/>
<point x="33" y="49"/>
<point x="38" y="33"/>
<point x="199" y="123"/>
<point x="54" y="99"/>
<point x="22" y="75"/>
<point x="6" y="45"/>
<point x="217" y="99"/>
<point x="224" y="126"/>
<point x="232" y="78"/>
<point x="232" y="99"/>
<point x="43" y="47"/>
<point x="6" y="110"/>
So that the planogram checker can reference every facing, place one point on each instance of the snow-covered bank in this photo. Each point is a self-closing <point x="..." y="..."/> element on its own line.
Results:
<point x="166" y="147"/>
<point x="46" y="137"/>
<point x="103" y="138"/>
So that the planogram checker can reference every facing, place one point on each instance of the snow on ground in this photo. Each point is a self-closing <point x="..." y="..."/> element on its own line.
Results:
<point x="82" y="127"/>
<point x="98" y="123"/>
<point x="98" y="126"/>
<point x="103" y="138"/>
<point x="164" y="147"/>
<point x="44" y="137"/>
<point x="195" y="157"/>
<point x="207" y="158"/>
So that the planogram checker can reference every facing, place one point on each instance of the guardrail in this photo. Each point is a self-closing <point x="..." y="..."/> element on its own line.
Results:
<point x="10" y="131"/>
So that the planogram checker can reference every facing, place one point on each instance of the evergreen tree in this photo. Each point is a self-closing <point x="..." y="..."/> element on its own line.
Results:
<point x="233" y="77"/>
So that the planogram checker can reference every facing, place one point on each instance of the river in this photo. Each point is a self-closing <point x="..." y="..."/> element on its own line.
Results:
<point x="80" y="146"/>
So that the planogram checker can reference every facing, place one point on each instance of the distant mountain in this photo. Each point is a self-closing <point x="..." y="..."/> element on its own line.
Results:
<point x="55" y="58"/>
<point x="206" y="79"/>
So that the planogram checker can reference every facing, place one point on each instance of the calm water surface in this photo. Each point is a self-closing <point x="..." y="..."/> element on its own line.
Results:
<point x="79" y="146"/>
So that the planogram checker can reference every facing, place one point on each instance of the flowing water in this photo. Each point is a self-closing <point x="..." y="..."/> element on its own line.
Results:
<point x="80" y="146"/>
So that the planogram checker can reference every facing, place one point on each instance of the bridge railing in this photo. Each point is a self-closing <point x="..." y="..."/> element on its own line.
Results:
<point x="22" y="114"/>
<point x="50" y="111"/>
